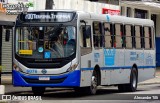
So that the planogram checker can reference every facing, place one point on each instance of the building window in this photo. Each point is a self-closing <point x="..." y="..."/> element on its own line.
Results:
<point x="141" y="13"/>
<point x="128" y="12"/>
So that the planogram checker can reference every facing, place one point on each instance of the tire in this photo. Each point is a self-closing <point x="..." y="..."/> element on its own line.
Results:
<point x="132" y="86"/>
<point x="94" y="83"/>
<point x="91" y="90"/>
<point x="38" y="90"/>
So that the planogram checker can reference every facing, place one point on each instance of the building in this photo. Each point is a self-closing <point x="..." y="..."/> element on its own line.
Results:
<point x="6" y="30"/>
<point x="94" y="6"/>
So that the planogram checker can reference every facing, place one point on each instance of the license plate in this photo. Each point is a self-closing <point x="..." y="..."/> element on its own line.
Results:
<point x="44" y="78"/>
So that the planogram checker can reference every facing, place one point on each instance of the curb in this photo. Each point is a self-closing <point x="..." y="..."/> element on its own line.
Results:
<point x="148" y="83"/>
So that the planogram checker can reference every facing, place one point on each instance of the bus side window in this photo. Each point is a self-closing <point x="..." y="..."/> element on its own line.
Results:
<point x="142" y="37"/>
<point x="138" y="37"/>
<point x="146" y="36"/>
<point x="97" y="34"/>
<point x="85" y="39"/>
<point x="107" y="35"/>
<point x="133" y="36"/>
<point x="151" y="37"/>
<point x="123" y="36"/>
<point x="128" y="36"/>
<point x="118" y="36"/>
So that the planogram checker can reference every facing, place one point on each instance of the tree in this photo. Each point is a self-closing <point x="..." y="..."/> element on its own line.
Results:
<point x="49" y="4"/>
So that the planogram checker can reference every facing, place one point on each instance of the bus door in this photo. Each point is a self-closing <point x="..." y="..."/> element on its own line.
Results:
<point x="86" y="52"/>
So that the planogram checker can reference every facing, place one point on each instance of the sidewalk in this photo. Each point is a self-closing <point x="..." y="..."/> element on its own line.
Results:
<point x="154" y="80"/>
<point x="7" y="79"/>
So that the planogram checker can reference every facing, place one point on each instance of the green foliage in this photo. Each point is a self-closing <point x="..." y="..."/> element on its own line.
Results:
<point x="30" y="4"/>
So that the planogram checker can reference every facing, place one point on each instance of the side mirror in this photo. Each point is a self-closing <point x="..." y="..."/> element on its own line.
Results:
<point x="7" y="35"/>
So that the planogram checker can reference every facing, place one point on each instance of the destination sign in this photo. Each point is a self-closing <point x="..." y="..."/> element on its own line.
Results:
<point x="47" y="16"/>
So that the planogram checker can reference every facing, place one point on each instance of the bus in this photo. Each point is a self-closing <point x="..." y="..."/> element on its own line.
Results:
<point x="81" y="50"/>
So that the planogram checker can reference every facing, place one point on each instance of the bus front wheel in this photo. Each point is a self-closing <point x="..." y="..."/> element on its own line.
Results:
<point x="38" y="90"/>
<point x="94" y="83"/>
<point x="92" y="89"/>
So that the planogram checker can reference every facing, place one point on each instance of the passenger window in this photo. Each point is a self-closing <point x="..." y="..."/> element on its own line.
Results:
<point x="118" y="36"/>
<point x="151" y="37"/>
<point x="97" y="34"/>
<point x="146" y="36"/>
<point x="138" y="37"/>
<point x="133" y="36"/>
<point x="107" y="35"/>
<point x="128" y="36"/>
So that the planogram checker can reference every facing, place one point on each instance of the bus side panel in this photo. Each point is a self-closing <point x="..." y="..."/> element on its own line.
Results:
<point x="134" y="57"/>
<point x="98" y="59"/>
<point x="148" y="71"/>
<point x="86" y="70"/>
<point x="119" y="73"/>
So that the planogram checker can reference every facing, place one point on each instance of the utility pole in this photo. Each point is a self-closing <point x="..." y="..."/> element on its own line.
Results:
<point x="49" y="4"/>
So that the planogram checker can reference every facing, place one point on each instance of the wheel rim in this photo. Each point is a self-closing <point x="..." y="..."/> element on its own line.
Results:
<point x="94" y="84"/>
<point x="134" y="83"/>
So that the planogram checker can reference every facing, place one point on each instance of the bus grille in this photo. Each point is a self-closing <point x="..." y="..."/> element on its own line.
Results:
<point x="51" y="81"/>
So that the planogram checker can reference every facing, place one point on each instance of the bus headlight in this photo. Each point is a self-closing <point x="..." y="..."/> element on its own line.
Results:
<point x="72" y="68"/>
<point x="15" y="67"/>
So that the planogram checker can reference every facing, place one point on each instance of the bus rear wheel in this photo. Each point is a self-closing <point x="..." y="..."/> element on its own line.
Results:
<point x="132" y="86"/>
<point x="38" y="90"/>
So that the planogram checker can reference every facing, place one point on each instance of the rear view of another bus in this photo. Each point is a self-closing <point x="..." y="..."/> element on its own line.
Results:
<point x="44" y="50"/>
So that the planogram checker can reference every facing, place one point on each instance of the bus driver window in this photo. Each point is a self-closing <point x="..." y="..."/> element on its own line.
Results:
<point x="85" y="39"/>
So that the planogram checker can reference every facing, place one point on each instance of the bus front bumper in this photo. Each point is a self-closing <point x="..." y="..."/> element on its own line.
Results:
<point x="71" y="79"/>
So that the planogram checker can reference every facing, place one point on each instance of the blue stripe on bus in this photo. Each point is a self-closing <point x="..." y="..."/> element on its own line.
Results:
<point x="124" y="67"/>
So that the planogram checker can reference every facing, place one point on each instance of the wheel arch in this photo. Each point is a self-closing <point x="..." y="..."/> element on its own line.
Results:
<point x="136" y="67"/>
<point x="97" y="69"/>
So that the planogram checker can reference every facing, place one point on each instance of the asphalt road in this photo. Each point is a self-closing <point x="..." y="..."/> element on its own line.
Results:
<point x="104" y="94"/>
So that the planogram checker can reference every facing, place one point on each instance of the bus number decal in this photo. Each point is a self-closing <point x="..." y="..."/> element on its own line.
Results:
<point x="31" y="71"/>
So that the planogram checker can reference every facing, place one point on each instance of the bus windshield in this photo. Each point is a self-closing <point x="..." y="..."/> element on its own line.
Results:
<point x="45" y="42"/>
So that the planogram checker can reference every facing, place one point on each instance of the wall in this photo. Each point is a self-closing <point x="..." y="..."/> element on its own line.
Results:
<point x="158" y="26"/>
<point x="6" y="53"/>
<point x="83" y="5"/>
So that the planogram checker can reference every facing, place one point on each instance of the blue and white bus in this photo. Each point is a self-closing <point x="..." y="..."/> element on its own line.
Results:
<point x="80" y="50"/>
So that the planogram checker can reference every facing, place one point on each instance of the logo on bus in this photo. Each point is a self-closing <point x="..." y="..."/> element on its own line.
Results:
<point x="44" y="71"/>
<point x="149" y="60"/>
<point x="109" y="57"/>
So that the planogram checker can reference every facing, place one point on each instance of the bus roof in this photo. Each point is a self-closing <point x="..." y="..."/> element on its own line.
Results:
<point x="116" y="19"/>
